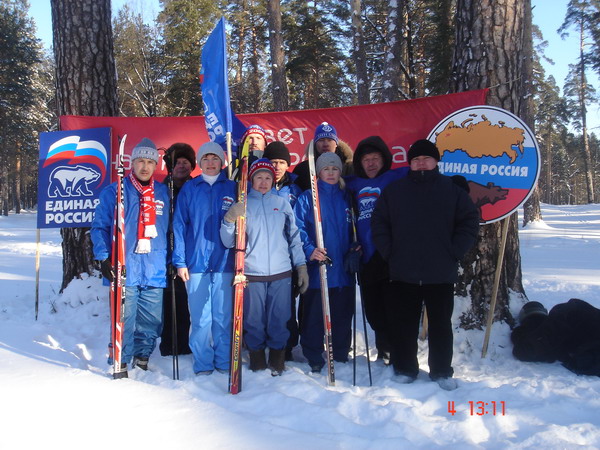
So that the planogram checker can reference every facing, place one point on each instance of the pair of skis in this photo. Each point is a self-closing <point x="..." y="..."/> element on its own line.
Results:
<point x="239" y="278"/>
<point x="117" y="286"/>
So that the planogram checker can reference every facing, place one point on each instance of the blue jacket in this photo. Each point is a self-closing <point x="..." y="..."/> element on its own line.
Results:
<point x="147" y="269"/>
<point x="337" y="232"/>
<point x="198" y="214"/>
<point x="273" y="242"/>
<point x="365" y="192"/>
<point x="288" y="189"/>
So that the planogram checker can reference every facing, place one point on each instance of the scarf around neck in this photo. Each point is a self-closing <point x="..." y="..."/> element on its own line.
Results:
<point x="146" y="227"/>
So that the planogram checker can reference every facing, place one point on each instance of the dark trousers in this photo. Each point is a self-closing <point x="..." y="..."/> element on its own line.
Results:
<point x="341" y="309"/>
<point x="403" y="306"/>
<point x="373" y="298"/>
<point x="182" y="320"/>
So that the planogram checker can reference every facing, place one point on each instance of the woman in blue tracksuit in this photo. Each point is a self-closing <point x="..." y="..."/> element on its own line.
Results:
<point x="273" y="249"/>
<point x="146" y="264"/>
<point x="203" y="262"/>
<point x="337" y="234"/>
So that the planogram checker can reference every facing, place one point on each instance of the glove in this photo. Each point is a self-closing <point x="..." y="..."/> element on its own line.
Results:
<point x="107" y="270"/>
<point x="236" y="210"/>
<point x="302" y="283"/>
<point x="352" y="259"/>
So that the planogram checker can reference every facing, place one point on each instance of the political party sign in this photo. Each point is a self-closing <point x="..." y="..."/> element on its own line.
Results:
<point x="497" y="154"/>
<point x="73" y="169"/>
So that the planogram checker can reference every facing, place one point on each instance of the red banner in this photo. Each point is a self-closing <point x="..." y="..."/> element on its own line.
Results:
<point x="398" y="123"/>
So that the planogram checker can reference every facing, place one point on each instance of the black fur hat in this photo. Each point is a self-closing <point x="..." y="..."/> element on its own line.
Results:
<point x="179" y="150"/>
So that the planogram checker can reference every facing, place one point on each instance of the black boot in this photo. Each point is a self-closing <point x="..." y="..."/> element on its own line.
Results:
<point x="277" y="361"/>
<point x="258" y="361"/>
<point x="141" y="362"/>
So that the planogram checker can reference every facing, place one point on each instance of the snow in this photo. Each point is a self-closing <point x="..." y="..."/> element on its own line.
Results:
<point x="56" y="389"/>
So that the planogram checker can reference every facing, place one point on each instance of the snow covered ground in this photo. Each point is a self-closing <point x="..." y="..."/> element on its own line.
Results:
<point x="56" y="392"/>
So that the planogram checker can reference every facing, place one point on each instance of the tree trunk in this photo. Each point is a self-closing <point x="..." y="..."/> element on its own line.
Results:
<point x="86" y="84"/>
<point x="587" y="156"/>
<point x="17" y="180"/>
<point x="279" y="81"/>
<point x="490" y="52"/>
<point x="531" y="209"/>
<point x="392" y="72"/>
<point x="360" y="55"/>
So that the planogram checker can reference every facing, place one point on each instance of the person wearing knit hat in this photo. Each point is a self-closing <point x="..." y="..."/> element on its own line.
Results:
<point x="425" y="149"/>
<point x="180" y="160"/>
<point x="273" y="250"/>
<point x="257" y="141"/>
<point x="147" y="206"/>
<point x="145" y="149"/>
<point x="325" y="140"/>
<point x="337" y="234"/>
<point x="203" y="262"/>
<point x="422" y="226"/>
<point x="373" y="172"/>
<point x="284" y="187"/>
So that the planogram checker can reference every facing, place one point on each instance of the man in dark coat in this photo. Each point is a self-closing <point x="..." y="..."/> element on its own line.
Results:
<point x="422" y="226"/>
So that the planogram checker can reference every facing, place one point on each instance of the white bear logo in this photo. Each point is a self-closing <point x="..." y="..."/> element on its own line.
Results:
<point x="67" y="181"/>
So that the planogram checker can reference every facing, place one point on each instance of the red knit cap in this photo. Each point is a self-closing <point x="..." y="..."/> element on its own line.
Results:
<point x="253" y="129"/>
<point x="261" y="164"/>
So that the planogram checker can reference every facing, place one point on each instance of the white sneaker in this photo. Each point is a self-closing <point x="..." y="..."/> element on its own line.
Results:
<point x="447" y="384"/>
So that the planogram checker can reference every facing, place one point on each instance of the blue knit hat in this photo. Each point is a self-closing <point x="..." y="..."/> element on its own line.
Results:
<point x="145" y="149"/>
<point x="326" y="131"/>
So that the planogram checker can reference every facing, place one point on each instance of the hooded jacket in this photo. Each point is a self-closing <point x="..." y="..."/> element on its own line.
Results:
<point x="366" y="191"/>
<point x="199" y="211"/>
<point x="143" y="269"/>
<point x="302" y="171"/>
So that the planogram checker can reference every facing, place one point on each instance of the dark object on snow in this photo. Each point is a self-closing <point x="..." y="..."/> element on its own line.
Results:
<point x="570" y="333"/>
<point x="531" y="309"/>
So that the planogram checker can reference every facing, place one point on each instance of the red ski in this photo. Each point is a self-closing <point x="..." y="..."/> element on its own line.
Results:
<point x="117" y="286"/>
<point x="239" y="279"/>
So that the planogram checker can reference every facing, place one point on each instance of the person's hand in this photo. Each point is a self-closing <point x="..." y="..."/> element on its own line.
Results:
<point x="183" y="273"/>
<point x="302" y="283"/>
<point x="236" y="210"/>
<point x="106" y="269"/>
<point x="352" y="259"/>
<point x="319" y="254"/>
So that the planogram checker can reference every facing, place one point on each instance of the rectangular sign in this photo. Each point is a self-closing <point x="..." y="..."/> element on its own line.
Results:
<point x="73" y="169"/>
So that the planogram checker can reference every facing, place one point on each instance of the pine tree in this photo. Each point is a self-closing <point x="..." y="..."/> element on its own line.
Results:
<point x="86" y="84"/>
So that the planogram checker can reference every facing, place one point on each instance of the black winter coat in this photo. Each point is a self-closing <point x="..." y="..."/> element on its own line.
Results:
<point x="423" y="225"/>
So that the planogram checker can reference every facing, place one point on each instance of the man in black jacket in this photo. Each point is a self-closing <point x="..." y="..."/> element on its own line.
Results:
<point x="422" y="226"/>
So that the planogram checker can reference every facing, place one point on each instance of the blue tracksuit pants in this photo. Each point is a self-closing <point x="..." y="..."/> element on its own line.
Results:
<point x="210" y="301"/>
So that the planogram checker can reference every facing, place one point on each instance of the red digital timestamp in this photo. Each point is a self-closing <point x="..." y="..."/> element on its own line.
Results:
<point x="481" y="408"/>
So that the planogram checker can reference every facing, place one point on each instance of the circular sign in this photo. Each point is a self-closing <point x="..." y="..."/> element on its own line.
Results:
<point x="497" y="154"/>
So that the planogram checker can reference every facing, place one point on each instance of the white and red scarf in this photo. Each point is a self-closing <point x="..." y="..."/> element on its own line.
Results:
<point x="146" y="228"/>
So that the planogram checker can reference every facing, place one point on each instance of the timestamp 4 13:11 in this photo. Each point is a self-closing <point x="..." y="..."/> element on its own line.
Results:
<point x="481" y="408"/>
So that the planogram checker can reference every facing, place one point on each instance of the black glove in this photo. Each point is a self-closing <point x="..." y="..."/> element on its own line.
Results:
<point x="107" y="270"/>
<point x="352" y="259"/>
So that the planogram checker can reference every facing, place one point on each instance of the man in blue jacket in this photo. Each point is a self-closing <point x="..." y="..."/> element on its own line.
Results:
<point x="146" y="224"/>
<point x="372" y="173"/>
<point x="423" y="225"/>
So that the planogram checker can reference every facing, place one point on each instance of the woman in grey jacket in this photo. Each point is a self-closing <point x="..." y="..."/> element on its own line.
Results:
<point x="273" y="250"/>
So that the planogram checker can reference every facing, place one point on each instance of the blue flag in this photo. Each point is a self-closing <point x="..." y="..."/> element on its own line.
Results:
<point x="218" y="117"/>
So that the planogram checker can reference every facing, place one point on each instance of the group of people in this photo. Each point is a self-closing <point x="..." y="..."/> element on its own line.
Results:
<point x="400" y="232"/>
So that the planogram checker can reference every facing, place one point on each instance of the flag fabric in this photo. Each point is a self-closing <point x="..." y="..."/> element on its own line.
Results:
<point x="218" y="117"/>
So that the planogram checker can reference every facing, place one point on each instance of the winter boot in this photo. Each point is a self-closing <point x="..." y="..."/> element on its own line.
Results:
<point x="277" y="361"/>
<point x="122" y="373"/>
<point x="141" y="362"/>
<point x="258" y="361"/>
